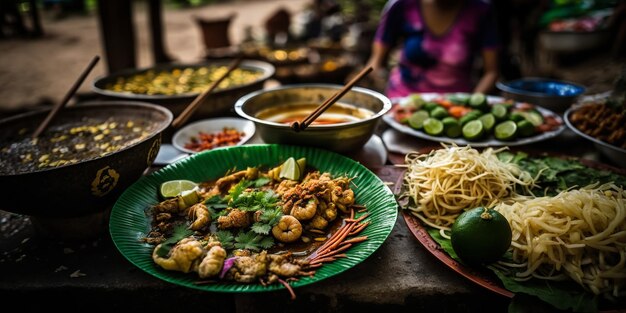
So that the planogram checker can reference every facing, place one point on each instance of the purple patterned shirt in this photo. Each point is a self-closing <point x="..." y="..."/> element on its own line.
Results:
<point x="430" y="62"/>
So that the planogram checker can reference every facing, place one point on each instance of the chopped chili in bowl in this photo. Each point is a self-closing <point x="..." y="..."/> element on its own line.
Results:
<point x="206" y="141"/>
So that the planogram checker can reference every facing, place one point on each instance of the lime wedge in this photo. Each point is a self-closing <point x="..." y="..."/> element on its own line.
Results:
<point x="451" y="127"/>
<point x="488" y="121"/>
<point x="438" y="113"/>
<point x="290" y="170"/>
<point x="478" y="101"/>
<point x="302" y="165"/>
<point x="188" y="198"/>
<point x="433" y="126"/>
<point x="525" y="128"/>
<point x="506" y="130"/>
<point x="473" y="130"/>
<point x="417" y="119"/>
<point x="173" y="188"/>
<point x="534" y="117"/>
<point x="499" y="111"/>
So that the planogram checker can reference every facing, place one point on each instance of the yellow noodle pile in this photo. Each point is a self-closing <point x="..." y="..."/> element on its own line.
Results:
<point x="578" y="233"/>
<point x="448" y="181"/>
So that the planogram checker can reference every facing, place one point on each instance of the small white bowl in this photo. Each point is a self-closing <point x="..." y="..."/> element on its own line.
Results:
<point x="212" y="125"/>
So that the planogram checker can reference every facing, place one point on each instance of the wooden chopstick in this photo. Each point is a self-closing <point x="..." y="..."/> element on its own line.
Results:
<point x="57" y="107"/>
<point x="330" y="101"/>
<point x="191" y="108"/>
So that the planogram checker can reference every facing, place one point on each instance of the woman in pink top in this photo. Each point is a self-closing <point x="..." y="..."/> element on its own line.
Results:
<point x="441" y="39"/>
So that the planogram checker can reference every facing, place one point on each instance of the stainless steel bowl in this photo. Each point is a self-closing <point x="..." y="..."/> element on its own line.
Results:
<point x="341" y="137"/>
<point x="219" y="102"/>
<point x="552" y="94"/>
<point x="613" y="153"/>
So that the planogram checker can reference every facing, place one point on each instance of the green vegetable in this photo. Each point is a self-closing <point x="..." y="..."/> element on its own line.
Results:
<point x="180" y="232"/>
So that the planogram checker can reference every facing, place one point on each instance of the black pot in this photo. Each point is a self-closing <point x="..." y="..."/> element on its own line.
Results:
<point x="86" y="187"/>
<point x="220" y="102"/>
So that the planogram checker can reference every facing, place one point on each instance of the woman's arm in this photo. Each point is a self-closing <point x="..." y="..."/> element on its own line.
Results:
<point x="487" y="81"/>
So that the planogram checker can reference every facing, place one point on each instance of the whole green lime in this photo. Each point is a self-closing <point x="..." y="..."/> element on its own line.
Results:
<point x="480" y="236"/>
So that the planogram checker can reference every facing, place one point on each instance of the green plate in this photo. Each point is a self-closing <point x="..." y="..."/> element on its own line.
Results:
<point x="129" y="221"/>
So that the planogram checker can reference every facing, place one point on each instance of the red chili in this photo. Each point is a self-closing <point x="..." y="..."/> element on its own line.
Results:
<point x="206" y="141"/>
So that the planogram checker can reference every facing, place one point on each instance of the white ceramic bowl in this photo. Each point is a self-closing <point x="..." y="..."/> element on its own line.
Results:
<point x="212" y="125"/>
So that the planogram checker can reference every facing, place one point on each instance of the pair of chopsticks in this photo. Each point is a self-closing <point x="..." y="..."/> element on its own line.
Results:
<point x="191" y="108"/>
<point x="302" y="125"/>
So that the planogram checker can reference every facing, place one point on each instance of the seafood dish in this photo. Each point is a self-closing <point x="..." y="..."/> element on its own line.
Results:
<point x="326" y="250"/>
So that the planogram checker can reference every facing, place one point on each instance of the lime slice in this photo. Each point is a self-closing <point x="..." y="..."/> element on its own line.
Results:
<point x="433" y="126"/>
<point x="188" y="198"/>
<point x="506" y="130"/>
<point x="451" y="127"/>
<point x="488" y="121"/>
<point x="416" y="120"/>
<point x="525" y="128"/>
<point x="429" y="106"/>
<point x="173" y="188"/>
<point x="478" y="101"/>
<point x="517" y="116"/>
<point x="438" y="113"/>
<point x="534" y="117"/>
<point x="473" y="130"/>
<point x="302" y="165"/>
<point x="458" y="98"/>
<point x="499" y="111"/>
<point x="290" y="170"/>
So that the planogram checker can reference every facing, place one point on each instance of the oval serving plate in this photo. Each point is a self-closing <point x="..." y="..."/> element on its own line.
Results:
<point x="129" y="222"/>
<point x="210" y="126"/>
<point x="488" y="142"/>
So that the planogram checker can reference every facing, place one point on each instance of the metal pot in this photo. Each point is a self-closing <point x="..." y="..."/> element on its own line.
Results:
<point x="342" y="137"/>
<point x="220" y="102"/>
<point x="86" y="187"/>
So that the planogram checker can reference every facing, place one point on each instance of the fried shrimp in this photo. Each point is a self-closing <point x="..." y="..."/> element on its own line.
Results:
<point x="288" y="229"/>
<point x="234" y="219"/>
<point x="200" y="216"/>
<point x="306" y="212"/>
<point x="212" y="263"/>
<point x="182" y="257"/>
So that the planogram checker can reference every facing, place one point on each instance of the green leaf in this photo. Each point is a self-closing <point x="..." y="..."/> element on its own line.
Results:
<point x="261" y="228"/>
<point x="262" y="181"/>
<point x="180" y="232"/>
<point x="267" y="242"/>
<point x="561" y="295"/>
<point x="446" y="244"/>
<point x="226" y="238"/>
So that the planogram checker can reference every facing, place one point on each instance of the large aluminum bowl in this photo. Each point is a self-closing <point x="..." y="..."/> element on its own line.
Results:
<point x="342" y="137"/>
<point x="552" y="94"/>
<point x="613" y="153"/>
<point x="88" y="186"/>
<point x="218" y="103"/>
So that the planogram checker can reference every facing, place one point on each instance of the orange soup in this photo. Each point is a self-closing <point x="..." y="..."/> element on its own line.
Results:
<point x="336" y="114"/>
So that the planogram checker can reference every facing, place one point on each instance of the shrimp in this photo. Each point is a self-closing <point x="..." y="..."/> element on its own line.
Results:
<point x="224" y="183"/>
<point x="167" y="206"/>
<point x="183" y="256"/>
<point x="342" y="198"/>
<point x="288" y="229"/>
<point x="234" y="219"/>
<point x="307" y="212"/>
<point x="248" y="269"/>
<point x="212" y="263"/>
<point x="284" y="265"/>
<point x="200" y="214"/>
<point x="318" y="222"/>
